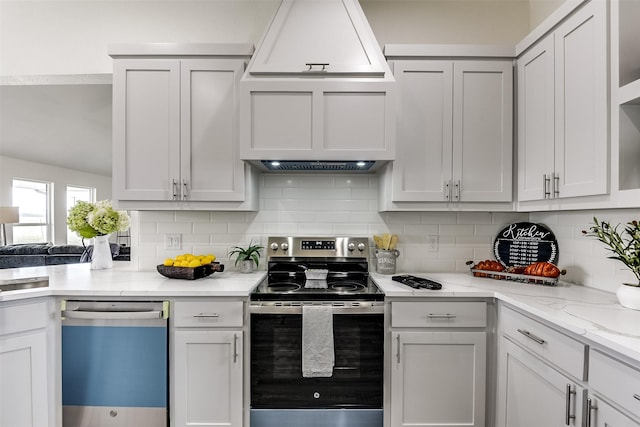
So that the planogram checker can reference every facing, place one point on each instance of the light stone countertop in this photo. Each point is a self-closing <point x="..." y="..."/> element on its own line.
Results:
<point x="590" y="313"/>
<point x="79" y="280"/>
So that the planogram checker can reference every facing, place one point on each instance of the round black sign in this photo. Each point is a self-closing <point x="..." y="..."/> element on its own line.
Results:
<point x="523" y="243"/>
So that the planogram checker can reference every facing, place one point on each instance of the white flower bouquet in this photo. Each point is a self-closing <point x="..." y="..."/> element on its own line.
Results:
<point x="89" y="220"/>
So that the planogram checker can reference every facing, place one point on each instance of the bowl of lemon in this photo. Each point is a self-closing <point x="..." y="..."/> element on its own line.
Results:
<point x="189" y="266"/>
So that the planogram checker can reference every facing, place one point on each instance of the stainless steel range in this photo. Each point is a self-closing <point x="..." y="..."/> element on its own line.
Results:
<point x="317" y="336"/>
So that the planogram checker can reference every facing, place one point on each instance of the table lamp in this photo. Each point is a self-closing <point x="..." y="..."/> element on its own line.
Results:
<point x="8" y="215"/>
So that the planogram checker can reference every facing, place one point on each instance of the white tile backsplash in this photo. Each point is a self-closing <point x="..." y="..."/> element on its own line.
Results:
<point x="585" y="258"/>
<point x="325" y="205"/>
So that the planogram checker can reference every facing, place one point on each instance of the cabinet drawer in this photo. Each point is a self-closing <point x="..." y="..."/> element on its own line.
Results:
<point x="616" y="381"/>
<point x="19" y="318"/>
<point x="207" y="314"/>
<point x="557" y="348"/>
<point x="438" y="314"/>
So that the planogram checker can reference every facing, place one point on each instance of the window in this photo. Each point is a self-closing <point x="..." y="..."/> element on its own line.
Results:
<point x="75" y="194"/>
<point x="34" y="200"/>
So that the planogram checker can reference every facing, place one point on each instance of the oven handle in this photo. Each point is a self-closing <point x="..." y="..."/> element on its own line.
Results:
<point x="272" y="309"/>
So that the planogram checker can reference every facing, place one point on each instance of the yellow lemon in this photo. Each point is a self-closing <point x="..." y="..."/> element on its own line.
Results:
<point x="194" y="263"/>
<point x="179" y="257"/>
<point x="184" y="263"/>
<point x="168" y="262"/>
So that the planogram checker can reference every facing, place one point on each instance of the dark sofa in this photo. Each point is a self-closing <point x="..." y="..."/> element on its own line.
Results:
<point x="36" y="255"/>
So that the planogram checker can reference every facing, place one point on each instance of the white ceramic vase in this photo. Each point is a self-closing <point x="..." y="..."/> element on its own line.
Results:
<point x="629" y="296"/>
<point x="101" y="256"/>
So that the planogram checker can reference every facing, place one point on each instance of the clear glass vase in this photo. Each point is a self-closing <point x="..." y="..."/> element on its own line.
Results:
<point x="101" y="255"/>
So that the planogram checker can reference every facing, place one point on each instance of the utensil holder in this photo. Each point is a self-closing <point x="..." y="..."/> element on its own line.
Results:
<point x="386" y="261"/>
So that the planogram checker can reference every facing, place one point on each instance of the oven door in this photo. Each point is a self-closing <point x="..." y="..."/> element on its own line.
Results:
<point x="352" y="396"/>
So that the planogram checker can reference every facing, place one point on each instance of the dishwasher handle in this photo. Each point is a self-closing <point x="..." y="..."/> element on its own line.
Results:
<point x="112" y="315"/>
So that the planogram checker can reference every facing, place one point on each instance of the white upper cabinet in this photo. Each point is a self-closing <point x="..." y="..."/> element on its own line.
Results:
<point x="454" y="131"/>
<point x="176" y="132"/>
<point x="317" y="88"/>
<point x="562" y="110"/>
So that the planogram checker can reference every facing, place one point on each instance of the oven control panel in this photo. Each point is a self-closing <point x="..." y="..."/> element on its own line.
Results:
<point x="326" y="247"/>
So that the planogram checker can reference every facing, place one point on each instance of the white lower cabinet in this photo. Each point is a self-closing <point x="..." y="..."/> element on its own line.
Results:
<point x="438" y="374"/>
<point x="207" y="366"/>
<point x="603" y="415"/>
<point x="541" y="374"/>
<point x="619" y="383"/>
<point x="533" y="394"/>
<point x="24" y="386"/>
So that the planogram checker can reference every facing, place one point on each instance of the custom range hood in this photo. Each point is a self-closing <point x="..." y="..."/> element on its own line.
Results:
<point x="318" y="93"/>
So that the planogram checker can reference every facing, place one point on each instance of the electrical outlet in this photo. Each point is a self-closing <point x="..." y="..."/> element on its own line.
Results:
<point x="173" y="241"/>
<point x="432" y="243"/>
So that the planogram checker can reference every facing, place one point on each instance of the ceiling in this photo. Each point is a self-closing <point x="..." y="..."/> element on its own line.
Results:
<point x="65" y="125"/>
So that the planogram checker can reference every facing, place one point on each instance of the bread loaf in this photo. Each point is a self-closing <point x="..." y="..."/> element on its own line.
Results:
<point x="489" y="265"/>
<point x="544" y="269"/>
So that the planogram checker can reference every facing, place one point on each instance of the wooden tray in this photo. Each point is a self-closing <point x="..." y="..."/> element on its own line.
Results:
<point x="190" y="273"/>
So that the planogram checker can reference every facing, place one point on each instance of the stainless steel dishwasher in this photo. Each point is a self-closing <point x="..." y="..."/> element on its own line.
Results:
<point x="114" y="363"/>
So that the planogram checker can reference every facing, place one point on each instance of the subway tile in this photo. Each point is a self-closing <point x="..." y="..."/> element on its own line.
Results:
<point x="456" y="230"/>
<point x="211" y="227"/>
<point x="192" y="216"/>
<point x="175" y="227"/>
<point x="474" y="218"/>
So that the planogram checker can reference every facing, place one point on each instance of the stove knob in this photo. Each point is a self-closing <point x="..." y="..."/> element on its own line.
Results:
<point x="351" y="247"/>
<point x="361" y="247"/>
<point x="284" y="246"/>
<point x="274" y="246"/>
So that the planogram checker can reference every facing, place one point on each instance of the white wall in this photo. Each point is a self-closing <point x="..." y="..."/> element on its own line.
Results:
<point x="14" y="168"/>
<point x="71" y="37"/>
<point x="539" y="10"/>
<point x="448" y="22"/>
<point x="322" y="205"/>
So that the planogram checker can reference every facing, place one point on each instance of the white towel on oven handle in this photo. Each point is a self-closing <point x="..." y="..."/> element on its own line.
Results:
<point x="318" y="356"/>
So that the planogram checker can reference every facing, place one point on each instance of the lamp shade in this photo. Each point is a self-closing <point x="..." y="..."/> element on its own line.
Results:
<point x="9" y="214"/>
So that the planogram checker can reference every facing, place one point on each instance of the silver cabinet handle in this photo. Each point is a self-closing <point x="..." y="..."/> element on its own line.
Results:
<point x="588" y="407"/>
<point x="185" y="190"/>
<point x="545" y="186"/>
<point x="456" y="193"/>
<point x="447" y="190"/>
<point x="636" y="396"/>
<point x="311" y="65"/>
<point x="206" y="315"/>
<point x="174" y="186"/>
<point x="568" y="417"/>
<point x="556" y="185"/>
<point x="531" y="336"/>
<point x="398" y="349"/>
<point x="441" y="316"/>
<point x="235" y="348"/>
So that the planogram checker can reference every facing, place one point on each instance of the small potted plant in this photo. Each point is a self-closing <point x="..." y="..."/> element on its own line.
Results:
<point x="248" y="257"/>
<point x="625" y="246"/>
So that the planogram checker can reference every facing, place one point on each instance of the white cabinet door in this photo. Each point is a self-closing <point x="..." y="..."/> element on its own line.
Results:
<point x="581" y="161"/>
<point x="422" y="168"/>
<point x="438" y="379"/>
<point x="211" y="168"/>
<point x="454" y="131"/>
<point x="176" y="130"/>
<point x="603" y="415"/>
<point x="482" y="131"/>
<point x="532" y="393"/>
<point x="25" y="382"/>
<point x="207" y="383"/>
<point x="316" y="120"/>
<point x="536" y="131"/>
<point x="563" y="140"/>
<point x="146" y="129"/>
